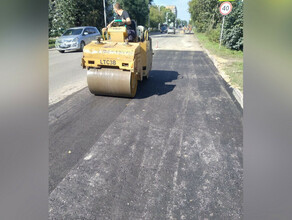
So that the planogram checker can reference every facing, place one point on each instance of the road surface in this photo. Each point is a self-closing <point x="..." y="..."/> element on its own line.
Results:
<point x="65" y="75"/>
<point x="172" y="152"/>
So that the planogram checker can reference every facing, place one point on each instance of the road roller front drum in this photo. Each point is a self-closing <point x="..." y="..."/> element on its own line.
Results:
<point x="112" y="82"/>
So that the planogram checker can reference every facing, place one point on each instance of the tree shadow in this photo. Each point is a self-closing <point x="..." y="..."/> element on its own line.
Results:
<point x="166" y="35"/>
<point x="72" y="51"/>
<point x="156" y="84"/>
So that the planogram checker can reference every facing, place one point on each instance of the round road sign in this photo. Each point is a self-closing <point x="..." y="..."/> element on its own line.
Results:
<point x="225" y="8"/>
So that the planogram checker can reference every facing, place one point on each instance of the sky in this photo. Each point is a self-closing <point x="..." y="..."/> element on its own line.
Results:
<point x="181" y="5"/>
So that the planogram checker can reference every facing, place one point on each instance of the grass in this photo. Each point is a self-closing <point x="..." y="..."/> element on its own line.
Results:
<point x="230" y="61"/>
<point x="52" y="42"/>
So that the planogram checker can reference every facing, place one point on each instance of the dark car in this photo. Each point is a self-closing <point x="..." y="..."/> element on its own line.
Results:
<point x="163" y="29"/>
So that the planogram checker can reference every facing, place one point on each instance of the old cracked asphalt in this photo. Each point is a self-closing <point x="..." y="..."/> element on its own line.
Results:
<point x="173" y="152"/>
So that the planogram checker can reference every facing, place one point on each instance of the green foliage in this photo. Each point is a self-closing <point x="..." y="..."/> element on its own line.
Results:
<point x="205" y="14"/>
<point x="52" y="41"/>
<point x="207" y="19"/>
<point x="64" y="14"/>
<point x="233" y="28"/>
<point x="155" y="16"/>
<point x="167" y="15"/>
<point x="170" y="16"/>
<point x="160" y="15"/>
<point x="137" y="9"/>
<point x="214" y="35"/>
<point x="184" y="23"/>
<point x="51" y="14"/>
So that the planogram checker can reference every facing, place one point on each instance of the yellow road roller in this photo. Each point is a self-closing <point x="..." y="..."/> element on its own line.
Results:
<point x="115" y="65"/>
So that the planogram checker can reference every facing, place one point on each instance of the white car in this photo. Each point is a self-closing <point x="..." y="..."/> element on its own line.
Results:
<point x="76" y="38"/>
<point x="170" y="30"/>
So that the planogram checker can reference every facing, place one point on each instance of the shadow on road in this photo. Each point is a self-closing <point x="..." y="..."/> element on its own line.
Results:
<point x="154" y="33"/>
<point x="166" y="35"/>
<point x="156" y="84"/>
<point x="73" y="51"/>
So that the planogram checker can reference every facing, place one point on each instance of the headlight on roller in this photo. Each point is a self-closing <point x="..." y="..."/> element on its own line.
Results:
<point x="87" y="51"/>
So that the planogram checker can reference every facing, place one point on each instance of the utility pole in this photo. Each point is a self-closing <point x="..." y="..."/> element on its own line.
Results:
<point x="149" y="16"/>
<point x="221" y="32"/>
<point x="159" y="25"/>
<point x="104" y="12"/>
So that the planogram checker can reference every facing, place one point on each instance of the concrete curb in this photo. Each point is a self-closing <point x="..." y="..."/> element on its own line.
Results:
<point x="235" y="93"/>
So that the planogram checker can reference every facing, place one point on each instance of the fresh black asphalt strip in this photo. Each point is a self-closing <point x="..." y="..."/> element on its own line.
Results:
<point x="173" y="152"/>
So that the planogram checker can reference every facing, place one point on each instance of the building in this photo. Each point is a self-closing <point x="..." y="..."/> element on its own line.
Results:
<point x="173" y="9"/>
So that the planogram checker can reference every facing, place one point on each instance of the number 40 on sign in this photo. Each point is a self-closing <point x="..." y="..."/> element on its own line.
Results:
<point x="225" y="8"/>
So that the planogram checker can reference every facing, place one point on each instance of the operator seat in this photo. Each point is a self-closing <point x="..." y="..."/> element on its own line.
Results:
<point x="140" y="33"/>
<point x="135" y="28"/>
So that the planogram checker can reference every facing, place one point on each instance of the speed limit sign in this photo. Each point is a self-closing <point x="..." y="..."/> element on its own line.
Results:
<point x="225" y="8"/>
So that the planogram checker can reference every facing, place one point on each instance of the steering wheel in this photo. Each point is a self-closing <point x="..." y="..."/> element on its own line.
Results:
<point x="118" y="23"/>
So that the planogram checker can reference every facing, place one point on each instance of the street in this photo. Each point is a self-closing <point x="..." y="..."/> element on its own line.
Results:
<point x="172" y="152"/>
<point x="65" y="75"/>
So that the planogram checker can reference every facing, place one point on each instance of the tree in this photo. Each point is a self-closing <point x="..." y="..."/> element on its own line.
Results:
<point x="233" y="28"/>
<point x="51" y="15"/>
<point x="137" y="9"/>
<point x="160" y="15"/>
<point x="178" y="22"/>
<point x="205" y="14"/>
<point x="155" y="16"/>
<point x="170" y="17"/>
<point x="167" y="15"/>
<point x="184" y="23"/>
<point x="64" y="14"/>
<point x="206" y="18"/>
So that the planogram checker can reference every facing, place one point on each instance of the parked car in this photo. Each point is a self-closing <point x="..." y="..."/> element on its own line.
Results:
<point x="163" y="29"/>
<point x="76" y="38"/>
<point x="171" y="30"/>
